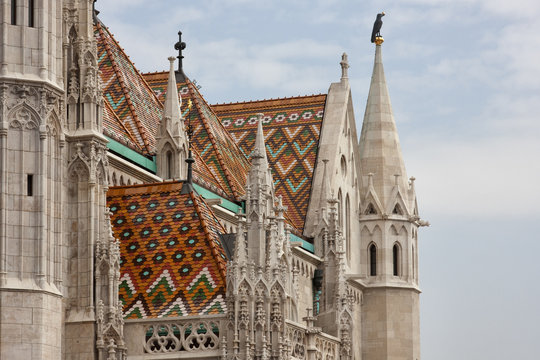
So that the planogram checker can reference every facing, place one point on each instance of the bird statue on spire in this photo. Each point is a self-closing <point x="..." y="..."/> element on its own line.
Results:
<point x="377" y="27"/>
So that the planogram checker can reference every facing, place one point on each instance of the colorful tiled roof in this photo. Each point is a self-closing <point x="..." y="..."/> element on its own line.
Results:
<point x="172" y="260"/>
<point x="137" y="111"/>
<point x="222" y="163"/>
<point x="291" y="129"/>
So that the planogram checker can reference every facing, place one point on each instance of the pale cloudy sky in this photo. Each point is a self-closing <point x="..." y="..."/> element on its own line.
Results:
<point x="464" y="77"/>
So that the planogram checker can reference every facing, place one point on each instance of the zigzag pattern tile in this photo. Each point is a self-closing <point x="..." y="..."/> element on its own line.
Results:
<point x="224" y="165"/>
<point x="172" y="261"/>
<point x="121" y="80"/>
<point x="291" y="130"/>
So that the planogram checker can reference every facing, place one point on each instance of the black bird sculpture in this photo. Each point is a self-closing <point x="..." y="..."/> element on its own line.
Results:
<point x="377" y="27"/>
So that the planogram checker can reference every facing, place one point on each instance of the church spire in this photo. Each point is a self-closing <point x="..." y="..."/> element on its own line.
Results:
<point x="172" y="101"/>
<point x="380" y="152"/>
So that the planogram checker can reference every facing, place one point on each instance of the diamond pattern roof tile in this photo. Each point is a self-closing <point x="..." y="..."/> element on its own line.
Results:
<point x="172" y="260"/>
<point x="128" y="96"/>
<point x="224" y="165"/>
<point x="291" y="129"/>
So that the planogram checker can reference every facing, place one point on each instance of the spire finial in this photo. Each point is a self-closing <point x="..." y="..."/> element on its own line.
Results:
<point x="376" y="36"/>
<point x="179" y="46"/>
<point x="259" y="149"/>
<point x="344" y="66"/>
<point x="187" y="187"/>
<point x="173" y="102"/>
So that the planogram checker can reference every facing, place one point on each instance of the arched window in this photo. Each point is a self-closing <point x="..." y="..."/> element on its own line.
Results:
<point x="169" y="164"/>
<point x="372" y="260"/>
<point x="395" y="258"/>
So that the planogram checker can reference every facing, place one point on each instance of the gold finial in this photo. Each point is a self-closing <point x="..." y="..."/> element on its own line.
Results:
<point x="379" y="40"/>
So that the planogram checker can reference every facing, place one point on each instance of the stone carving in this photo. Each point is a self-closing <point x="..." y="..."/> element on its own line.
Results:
<point x="183" y="335"/>
<point x="109" y="316"/>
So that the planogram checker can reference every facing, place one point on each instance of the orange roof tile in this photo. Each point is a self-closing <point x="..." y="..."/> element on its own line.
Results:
<point x="172" y="259"/>
<point x="128" y="95"/>
<point x="291" y="129"/>
<point x="222" y="163"/>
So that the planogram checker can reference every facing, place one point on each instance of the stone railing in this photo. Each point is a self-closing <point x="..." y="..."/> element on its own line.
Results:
<point x="195" y="335"/>
<point x="299" y="338"/>
<point x="327" y="347"/>
<point x="202" y="337"/>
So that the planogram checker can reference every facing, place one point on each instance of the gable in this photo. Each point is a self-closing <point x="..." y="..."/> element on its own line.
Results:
<point x="292" y="129"/>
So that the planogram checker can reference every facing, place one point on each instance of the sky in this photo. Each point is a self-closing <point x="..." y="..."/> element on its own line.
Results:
<point x="464" y="79"/>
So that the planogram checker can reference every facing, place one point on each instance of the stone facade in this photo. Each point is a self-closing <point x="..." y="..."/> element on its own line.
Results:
<point x="354" y="295"/>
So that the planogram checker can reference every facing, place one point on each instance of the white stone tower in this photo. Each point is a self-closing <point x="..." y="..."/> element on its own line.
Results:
<point x="58" y="260"/>
<point x="32" y="149"/>
<point x="172" y="143"/>
<point x="389" y="223"/>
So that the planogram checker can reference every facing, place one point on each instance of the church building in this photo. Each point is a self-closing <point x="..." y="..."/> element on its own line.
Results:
<point x="140" y="222"/>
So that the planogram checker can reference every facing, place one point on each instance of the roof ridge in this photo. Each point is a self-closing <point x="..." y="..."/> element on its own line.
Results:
<point x="120" y="122"/>
<point x="219" y="156"/>
<point x="153" y="72"/>
<point x="207" y="233"/>
<point x="140" y="126"/>
<point x="270" y="99"/>
<point x="209" y="171"/>
<point x="157" y="183"/>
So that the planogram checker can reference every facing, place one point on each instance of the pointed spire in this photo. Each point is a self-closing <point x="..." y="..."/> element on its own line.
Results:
<point x="259" y="149"/>
<point x="259" y="203"/>
<point x="172" y="101"/>
<point x="259" y="159"/>
<point x="380" y="152"/>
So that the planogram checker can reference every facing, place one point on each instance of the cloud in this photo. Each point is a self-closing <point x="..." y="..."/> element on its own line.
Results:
<point x="495" y="176"/>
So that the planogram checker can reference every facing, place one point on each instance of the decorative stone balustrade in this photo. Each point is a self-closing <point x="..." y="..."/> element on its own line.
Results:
<point x="326" y="346"/>
<point x="196" y="335"/>
<point x="202" y="337"/>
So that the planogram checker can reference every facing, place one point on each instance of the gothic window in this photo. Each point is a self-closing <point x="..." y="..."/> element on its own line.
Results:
<point x="370" y="210"/>
<point x="31" y="10"/>
<point x="343" y="166"/>
<point x="13" y="12"/>
<point x="29" y="184"/>
<point x="372" y="260"/>
<point x="395" y="258"/>
<point x="169" y="165"/>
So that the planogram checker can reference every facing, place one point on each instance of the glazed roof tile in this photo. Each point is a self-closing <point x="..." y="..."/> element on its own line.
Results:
<point x="221" y="163"/>
<point x="172" y="259"/>
<point x="128" y="96"/>
<point x="291" y="129"/>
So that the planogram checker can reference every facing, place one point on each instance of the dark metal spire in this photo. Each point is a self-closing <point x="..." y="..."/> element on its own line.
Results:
<point x="179" y="46"/>
<point x="187" y="187"/>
